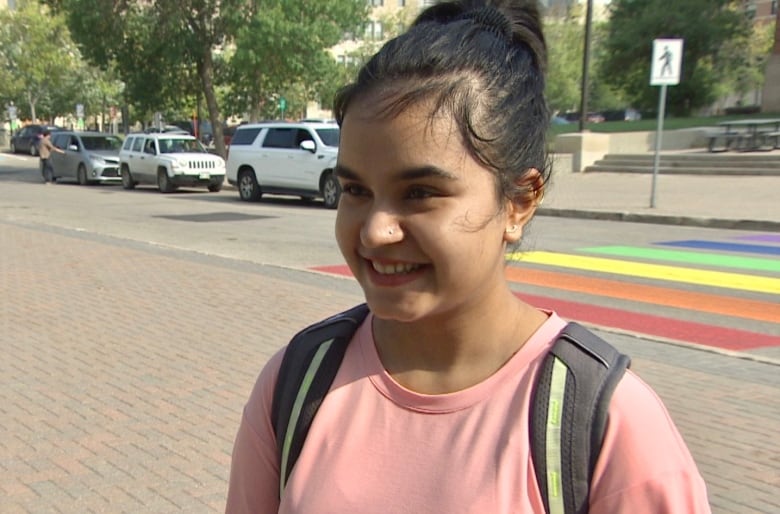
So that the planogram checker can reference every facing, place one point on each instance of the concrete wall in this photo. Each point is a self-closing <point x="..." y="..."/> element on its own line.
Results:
<point x="585" y="148"/>
<point x="770" y="100"/>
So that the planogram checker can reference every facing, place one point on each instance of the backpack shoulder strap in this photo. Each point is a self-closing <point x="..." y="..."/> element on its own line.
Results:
<point x="569" y="415"/>
<point x="308" y="368"/>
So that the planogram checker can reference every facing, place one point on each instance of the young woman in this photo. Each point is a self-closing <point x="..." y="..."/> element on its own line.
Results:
<point x="442" y="163"/>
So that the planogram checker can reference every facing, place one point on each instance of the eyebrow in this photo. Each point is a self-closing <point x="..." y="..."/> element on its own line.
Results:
<point x="420" y="172"/>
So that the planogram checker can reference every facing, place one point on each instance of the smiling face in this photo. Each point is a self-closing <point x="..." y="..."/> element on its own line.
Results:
<point x="419" y="221"/>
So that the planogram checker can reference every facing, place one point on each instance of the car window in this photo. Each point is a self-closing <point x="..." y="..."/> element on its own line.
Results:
<point x="138" y="144"/>
<point x="128" y="143"/>
<point x="303" y="135"/>
<point x="245" y="136"/>
<point x="101" y="142"/>
<point x="74" y="141"/>
<point x="149" y="147"/>
<point x="180" y="145"/>
<point x="280" y="138"/>
<point x="60" y="141"/>
<point x="329" y="136"/>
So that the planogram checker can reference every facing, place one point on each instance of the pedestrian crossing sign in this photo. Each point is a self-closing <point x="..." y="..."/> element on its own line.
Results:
<point x="666" y="63"/>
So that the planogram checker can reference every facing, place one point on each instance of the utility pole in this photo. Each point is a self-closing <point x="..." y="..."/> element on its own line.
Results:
<point x="585" y="66"/>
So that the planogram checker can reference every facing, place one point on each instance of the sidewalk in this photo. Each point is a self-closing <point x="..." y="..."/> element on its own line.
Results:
<point x="718" y="201"/>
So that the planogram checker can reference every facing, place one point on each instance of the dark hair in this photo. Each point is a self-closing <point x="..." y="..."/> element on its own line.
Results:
<point x="481" y="61"/>
<point x="45" y="133"/>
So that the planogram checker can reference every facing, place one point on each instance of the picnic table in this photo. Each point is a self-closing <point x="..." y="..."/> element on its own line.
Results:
<point x="746" y="135"/>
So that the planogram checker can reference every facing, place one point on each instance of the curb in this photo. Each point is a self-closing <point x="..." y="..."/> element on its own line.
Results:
<point x="661" y="219"/>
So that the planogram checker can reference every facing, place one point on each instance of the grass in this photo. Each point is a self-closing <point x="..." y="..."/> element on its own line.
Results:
<point x="651" y="124"/>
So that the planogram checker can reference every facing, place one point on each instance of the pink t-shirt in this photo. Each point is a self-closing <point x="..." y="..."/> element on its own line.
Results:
<point x="375" y="446"/>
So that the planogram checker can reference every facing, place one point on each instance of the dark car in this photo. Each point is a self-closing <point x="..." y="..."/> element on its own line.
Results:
<point x="26" y="138"/>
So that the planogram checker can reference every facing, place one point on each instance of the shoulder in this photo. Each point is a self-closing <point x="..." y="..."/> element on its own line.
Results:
<point x="645" y="465"/>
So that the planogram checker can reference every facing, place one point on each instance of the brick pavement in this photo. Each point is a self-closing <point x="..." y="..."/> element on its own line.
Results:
<point x="125" y="367"/>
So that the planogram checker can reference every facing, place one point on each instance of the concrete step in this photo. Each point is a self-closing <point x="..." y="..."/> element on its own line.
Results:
<point x="682" y="170"/>
<point x="752" y="157"/>
<point x="731" y="163"/>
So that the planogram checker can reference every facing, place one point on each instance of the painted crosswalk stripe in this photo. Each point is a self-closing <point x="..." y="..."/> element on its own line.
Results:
<point x="680" y="299"/>
<point x="706" y="259"/>
<point x="684" y="275"/>
<point x="725" y="247"/>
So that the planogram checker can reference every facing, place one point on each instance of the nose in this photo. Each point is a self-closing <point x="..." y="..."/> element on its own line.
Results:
<point x="380" y="227"/>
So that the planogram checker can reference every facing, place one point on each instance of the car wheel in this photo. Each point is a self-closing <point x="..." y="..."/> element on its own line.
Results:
<point x="82" y="175"/>
<point x="127" y="178"/>
<point x="331" y="192"/>
<point x="215" y="188"/>
<point x="164" y="182"/>
<point x="248" y="188"/>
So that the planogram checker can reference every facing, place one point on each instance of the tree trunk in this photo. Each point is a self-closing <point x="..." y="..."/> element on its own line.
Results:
<point x="206" y="72"/>
<point x="31" y="102"/>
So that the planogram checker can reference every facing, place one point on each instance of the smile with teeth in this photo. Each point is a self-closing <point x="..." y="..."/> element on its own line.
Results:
<point x="394" y="269"/>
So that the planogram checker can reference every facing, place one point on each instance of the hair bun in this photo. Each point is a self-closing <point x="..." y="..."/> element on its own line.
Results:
<point x="493" y="20"/>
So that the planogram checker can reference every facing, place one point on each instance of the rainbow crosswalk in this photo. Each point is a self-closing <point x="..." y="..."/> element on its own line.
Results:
<point x="734" y="279"/>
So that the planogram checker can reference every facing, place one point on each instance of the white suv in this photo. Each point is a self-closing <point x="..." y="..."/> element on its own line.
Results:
<point x="285" y="158"/>
<point x="168" y="161"/>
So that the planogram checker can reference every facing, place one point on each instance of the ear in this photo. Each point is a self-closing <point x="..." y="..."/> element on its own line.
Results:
<point x="520" y="210"/>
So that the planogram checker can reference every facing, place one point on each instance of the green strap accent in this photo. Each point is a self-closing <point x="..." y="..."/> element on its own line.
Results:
<point x="553" y="437"/>
<point x="296" y="411"/>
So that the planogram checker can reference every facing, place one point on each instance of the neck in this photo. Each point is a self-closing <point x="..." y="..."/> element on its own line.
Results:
<point x="455" y="350"/>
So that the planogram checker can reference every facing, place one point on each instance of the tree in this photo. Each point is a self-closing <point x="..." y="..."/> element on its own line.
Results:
<point x="707" y="26"/>
<point x="565" y="39"/>
<point x="38" y="57"/>
<point x="163" y="50"/>
<point x="283" y="45"/>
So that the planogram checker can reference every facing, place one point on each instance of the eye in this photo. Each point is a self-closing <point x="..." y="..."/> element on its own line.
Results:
<point x="353" y="189"/>
<point x="420" y="193"/>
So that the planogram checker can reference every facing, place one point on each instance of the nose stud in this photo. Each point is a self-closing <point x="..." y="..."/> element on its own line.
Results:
<point x="390" y="232"/>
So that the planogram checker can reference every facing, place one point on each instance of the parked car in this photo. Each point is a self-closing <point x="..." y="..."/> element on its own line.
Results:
<point x="26" y="138"/>
<point x="89" y="158"/>
<point x="169" y="161"/>
<point x="285" y="158"/>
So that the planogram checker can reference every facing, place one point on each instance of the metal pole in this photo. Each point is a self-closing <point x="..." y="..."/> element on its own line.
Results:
<point x="585" y="66"/>
<point x="658" y="133"/>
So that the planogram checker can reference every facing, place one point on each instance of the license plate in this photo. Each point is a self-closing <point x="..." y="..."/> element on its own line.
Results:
<point x="205" y="176"/>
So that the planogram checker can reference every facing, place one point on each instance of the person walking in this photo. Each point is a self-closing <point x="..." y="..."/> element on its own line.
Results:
<point x="442" y="163"/>
<point x="45" y="148"/>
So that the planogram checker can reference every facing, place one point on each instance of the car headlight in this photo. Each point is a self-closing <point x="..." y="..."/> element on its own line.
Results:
<point x="97" y="158"/>
<point x="178" y="165"/>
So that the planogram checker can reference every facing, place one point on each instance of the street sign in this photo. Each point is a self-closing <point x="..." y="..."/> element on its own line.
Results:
<point x="282" y="103"/>
<point x="79" y="110"/>
<point x="666" y="63"/>
<point x="12" y="112"/>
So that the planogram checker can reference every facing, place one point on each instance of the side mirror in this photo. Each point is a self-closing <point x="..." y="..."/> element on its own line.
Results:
<point x="73" y="148"/>
<point x="308" y="145"/>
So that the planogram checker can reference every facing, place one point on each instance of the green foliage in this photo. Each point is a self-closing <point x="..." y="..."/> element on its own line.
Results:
<point x="283" y="45"/>
<point x="565" y="40"/>
<point x="707" y="26"/>
<point x="38" y="57"/>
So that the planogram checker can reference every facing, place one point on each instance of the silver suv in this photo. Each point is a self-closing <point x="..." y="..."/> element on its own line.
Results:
<point x="285" y="158"/>
<point x="169" y="161"/>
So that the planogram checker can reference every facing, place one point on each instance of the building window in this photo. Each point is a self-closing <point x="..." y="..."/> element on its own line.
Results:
<point x="774" y="6"/>
<point x="374" y="30"/>
<point x="376" y="3"/>
<point x="401" y="3"/>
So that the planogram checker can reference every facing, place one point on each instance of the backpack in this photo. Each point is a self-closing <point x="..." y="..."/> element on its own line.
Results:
<point x="568" y="413"/>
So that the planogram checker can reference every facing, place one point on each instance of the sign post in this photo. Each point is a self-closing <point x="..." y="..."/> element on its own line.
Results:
<point x="282" y="105"/>
<point x="664" y="71"/>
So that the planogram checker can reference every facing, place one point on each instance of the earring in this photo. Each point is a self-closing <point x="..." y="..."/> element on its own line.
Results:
<point x="511" y="229"/>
